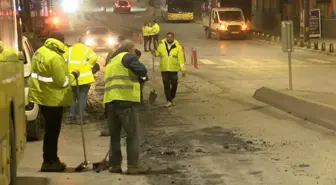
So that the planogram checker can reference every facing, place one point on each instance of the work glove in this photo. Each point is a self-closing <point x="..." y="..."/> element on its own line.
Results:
<point x="75" y="73"/>
<point x="183" y="74"/>
<point x="143" y="79"/>
<point x="153" y="52"/>
<point x="95" y="68"/>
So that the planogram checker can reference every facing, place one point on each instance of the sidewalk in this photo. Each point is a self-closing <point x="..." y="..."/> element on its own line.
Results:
<point x="317" y="107"/>
<point x="317" y="45"/>
<point x="320" y="97"/>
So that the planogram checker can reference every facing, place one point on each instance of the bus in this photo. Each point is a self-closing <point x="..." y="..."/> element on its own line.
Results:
<point x="12" y="99"/>
<point x="177" y="10"/>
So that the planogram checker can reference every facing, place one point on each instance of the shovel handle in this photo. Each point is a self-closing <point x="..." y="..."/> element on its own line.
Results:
<point x="153" y="67"/>
<point x="81" y="119"/>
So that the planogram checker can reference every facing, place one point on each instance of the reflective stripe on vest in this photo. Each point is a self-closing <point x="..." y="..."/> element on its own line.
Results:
<point x="85" y="74"/>
<point x="48" y="79"/>
<point x="120" y="83"/>
<point x="119" y="86"/>
<point x="77" y="61"/>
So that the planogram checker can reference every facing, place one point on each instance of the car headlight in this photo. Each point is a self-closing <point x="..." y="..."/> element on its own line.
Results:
<point x="89" y="41"/>
<point x="111" y="41"/>
<point x="244" y="27"/>
<point x="222" y="27"/>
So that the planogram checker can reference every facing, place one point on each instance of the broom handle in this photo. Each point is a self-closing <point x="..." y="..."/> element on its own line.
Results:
<point x="153" y="64"/>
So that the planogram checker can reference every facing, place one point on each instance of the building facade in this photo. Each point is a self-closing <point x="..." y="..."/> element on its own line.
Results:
<point x="268" y="14"/>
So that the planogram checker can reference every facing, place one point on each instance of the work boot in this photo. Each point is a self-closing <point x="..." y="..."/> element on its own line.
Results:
<point x="56" y="166"/>
<point x="70" y="120"/>
<point x="169" y="104"/>
<point x="123" y="133"/>
<point x="105" y="132"/>
<point x="85" y="121"/>
<point x="115" y="169"/>
<point x="138" y="169"/>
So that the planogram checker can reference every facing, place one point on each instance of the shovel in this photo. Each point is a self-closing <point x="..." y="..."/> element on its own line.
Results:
<point x="84" y="164"/>
<point x="152" y="94"/>
<point x="102" y="165"/>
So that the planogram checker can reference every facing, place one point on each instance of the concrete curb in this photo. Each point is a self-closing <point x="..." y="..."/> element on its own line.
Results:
<point x="297" y="47"/>
<point x="316" y="112"/>
<point x="269" y="39"/>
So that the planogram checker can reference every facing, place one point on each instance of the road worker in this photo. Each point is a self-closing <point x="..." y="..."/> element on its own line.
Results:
<point x="114" y="49"/>
<point x="171" y="61"/>
<point x="50" y="88"/>
<point x="122" y="98"/>
<point x="106" y="131"/>
<point x="155" y="31"/>
<point x="150" y="36"/>
<point x="146" y="29"/>
<point x="83" y="58"/>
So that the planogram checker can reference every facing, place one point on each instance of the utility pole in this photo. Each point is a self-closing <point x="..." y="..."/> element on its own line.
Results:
<point x="306" y="8"/>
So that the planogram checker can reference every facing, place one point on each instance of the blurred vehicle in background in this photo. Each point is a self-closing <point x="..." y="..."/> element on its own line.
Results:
<point x="225" y="23"/>
<point x="99" y="37"/>
<point x="122" y="7"/>
<point x="177" y="10"/>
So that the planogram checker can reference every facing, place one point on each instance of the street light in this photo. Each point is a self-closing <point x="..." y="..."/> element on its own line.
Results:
<point x="70" y="6"/>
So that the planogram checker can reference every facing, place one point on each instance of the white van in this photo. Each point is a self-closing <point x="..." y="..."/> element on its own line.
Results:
<point x="35" y="120"/>
<point x="225" y="23"/>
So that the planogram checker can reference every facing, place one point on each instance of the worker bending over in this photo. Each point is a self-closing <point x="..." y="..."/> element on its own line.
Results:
<point x="171" y="61"/>
<point x="106" y="131"/>
<point x="50" y="88"/>
<point x="83" y="58"/>
<point x="114" y="49"/>
<point x="122" y="98"/>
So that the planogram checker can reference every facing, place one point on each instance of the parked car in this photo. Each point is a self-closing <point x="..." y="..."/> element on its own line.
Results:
<point x="122" y="7"/>
<point x="35" y="120"/>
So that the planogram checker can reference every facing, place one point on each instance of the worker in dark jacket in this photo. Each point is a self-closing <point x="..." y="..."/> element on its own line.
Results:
<point x="122" y="97"/>
<point x="142" y="81"/>
<point x="105" y="131"/>
<point x="114" y="49"/>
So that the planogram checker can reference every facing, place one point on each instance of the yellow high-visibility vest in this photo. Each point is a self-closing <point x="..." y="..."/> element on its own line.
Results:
<point x="120" y="82"/>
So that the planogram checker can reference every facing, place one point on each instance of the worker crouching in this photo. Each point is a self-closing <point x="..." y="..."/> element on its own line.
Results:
<point x="122" y="98"/>
<point x="83" y="58"/>
<point x="50" y="88"/>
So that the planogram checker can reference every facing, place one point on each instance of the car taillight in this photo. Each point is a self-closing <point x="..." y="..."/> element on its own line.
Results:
<point x="30" y="106"/>
<point x="128" y="6"/>
<point x="55" y="20"/>
<point x="117" y="5"/>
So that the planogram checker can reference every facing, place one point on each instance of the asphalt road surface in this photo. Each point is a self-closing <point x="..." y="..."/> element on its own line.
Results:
<point x="216" y="134"/>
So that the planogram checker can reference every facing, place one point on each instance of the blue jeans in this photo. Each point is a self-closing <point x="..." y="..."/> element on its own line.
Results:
<point x="83" y="92"/>
<point x="127" y="118"/>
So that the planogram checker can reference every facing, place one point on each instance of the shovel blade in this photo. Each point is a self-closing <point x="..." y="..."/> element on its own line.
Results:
<point x="152" y="97"/>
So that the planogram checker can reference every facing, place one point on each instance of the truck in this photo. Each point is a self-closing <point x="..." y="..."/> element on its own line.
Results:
<point x="12" y="99"/>
<point x="228" y="20"/>
<point x="39" y="19"/>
